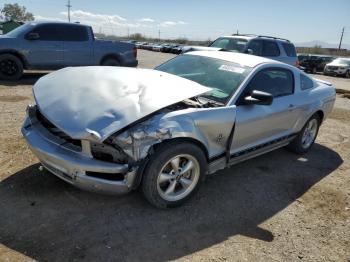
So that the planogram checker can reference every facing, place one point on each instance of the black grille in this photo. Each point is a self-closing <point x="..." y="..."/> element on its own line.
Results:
<point x="57" y="132"/>
<point x="333" y="67"/>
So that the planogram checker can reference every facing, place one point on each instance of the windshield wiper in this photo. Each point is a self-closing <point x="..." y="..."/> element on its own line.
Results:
<point x="209" y="101"/>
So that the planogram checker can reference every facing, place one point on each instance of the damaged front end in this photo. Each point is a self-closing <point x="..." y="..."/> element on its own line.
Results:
<point x="99" y="139"/>
<point x="81" y="163"/>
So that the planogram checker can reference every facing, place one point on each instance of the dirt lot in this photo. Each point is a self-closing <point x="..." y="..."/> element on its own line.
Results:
<point x="277" y="207"/>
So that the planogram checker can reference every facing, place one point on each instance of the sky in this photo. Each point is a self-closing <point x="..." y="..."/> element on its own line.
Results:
<point x="297" y="20"/>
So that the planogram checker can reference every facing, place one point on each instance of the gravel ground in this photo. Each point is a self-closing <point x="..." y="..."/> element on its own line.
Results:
<point x="276" y="207"/>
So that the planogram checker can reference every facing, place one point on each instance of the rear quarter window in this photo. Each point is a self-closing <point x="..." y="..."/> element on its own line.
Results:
<point x="305" y="82"/>
<point x="289" y="49"/>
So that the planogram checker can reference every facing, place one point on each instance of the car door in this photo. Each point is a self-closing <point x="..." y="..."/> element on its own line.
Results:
<point x="77" y="44"/>
<point x="258" y="124"/>
<point x="46" y="51"/>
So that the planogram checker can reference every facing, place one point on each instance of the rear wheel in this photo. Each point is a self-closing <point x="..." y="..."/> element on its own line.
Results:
<point x="306" y="137"/>
<point x="110" y="62"/>
<point x="11" y="67"/>
<point x="174" y="174"/>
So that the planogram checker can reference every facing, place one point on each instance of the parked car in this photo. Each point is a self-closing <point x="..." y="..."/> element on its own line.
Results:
<point x="166" y="48"/>
<point x="157" y="47"/>
<point x="338" y="67"/>
<point x="166" y="129"/>
<point x="267" y="46"/>
<point x="177" y="49"/>
<point x="48" y="45"/>
<point x="302" y="57"/>
<point x="315" y="63"/>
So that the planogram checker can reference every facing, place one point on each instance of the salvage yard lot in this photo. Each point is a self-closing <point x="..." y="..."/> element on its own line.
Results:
<point x="276" y="207"/>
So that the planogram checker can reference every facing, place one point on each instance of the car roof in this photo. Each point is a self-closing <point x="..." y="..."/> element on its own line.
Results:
<point x="53" y="22"/>
<point x="242" y="59"/>
<point x="249" y="37"/>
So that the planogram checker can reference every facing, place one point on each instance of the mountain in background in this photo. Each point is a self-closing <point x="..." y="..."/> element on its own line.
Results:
<point x="322" y="44"/>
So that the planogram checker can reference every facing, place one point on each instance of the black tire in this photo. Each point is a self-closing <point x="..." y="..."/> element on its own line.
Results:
<point x="110" y="62"/>
<point x="11" y="67"/>
<point x="296" y="145"/>
<point x="164" y="153"/>
<point x="347" y="74"/>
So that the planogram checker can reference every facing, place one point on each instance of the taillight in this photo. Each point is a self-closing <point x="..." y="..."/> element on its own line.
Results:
<point x="297" y="64"/>
<point x="134" y="50"/>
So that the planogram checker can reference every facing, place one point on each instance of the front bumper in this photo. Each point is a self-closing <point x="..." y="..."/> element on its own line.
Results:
<point x="328" y="71"/>
<point x="71" y="165"/>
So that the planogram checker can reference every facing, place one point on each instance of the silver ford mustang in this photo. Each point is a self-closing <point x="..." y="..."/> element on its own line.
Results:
<point x="111" y="129"/>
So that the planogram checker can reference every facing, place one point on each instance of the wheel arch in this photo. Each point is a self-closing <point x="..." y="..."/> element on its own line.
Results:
<point x="18" y="55"/>
<point x="320" y="114"/>
<point x="183" y="139"/>
<point x="143" y="163"/>
<point x="111" y="55"/>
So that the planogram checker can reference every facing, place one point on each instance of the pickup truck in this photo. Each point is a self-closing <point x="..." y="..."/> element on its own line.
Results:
<point x="54" y="45"/>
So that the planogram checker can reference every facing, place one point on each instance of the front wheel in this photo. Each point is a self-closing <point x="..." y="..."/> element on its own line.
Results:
<point x="307" y="136"/>
<point x="174" y="173"/>
<point x="11" y="67"/>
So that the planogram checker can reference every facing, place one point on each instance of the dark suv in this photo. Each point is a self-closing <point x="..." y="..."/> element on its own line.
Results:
<point x="315" y="63"/>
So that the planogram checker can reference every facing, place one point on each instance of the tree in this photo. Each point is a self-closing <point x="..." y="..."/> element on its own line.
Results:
<point x="16" y="12"/>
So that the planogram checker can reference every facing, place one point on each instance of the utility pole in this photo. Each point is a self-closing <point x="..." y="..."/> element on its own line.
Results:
<point x="341" y="38"/>
<point x="128" y="32"/>
<point x="159" y="34"/>
<point x="69" y="7"/>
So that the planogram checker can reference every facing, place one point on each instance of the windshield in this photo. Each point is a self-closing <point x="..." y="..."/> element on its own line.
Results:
<point x="222" y="76"/>
<point x="232" y="44"/>
<point x="341" y="61"/>
<point x="19" y="30"/>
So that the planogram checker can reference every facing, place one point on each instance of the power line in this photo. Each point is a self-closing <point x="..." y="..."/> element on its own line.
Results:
<point x="341" y="38"/>
<point x="69" y="7"/>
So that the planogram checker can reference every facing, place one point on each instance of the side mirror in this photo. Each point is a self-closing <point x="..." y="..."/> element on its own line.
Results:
<point x="32" y="36"/>
<point x="249" y="51"/>
<point x="258" y="98"/>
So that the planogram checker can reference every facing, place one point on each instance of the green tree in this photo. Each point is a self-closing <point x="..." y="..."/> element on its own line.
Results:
<point x="16" y="12"/>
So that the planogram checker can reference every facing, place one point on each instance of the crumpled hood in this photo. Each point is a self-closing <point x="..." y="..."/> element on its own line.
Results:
<point x="95" y="102"/>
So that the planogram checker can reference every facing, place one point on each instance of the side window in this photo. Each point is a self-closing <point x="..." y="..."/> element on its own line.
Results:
<point x="276" y="81"/>
<point x="271" y="49"/>
<point x="289" y="49"/>
<point x="47" y="32"/>
<point x="305" y="82"/>
<point x="74" y="33"/>
<point x="256" y="46"/>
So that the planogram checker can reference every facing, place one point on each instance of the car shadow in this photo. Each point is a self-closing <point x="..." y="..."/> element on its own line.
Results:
<point x="28" y="78"/>
<point x="49" y="220"/>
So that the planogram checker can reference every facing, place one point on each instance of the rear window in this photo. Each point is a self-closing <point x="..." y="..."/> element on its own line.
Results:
<point x="289" y="49"/>
<point x="74" y="33"/>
